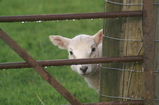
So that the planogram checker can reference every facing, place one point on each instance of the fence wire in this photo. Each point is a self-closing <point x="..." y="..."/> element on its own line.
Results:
<point x="122" y="4"/>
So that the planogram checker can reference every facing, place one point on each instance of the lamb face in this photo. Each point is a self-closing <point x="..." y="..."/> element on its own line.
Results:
<point x="83" y="46"/>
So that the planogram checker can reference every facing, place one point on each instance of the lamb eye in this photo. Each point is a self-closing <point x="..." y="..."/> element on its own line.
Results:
<point x="71" y="53"/>
<point x="93" y="49"/>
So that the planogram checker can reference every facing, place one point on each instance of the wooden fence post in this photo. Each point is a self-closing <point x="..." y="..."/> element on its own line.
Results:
<point x="122" y="37"/>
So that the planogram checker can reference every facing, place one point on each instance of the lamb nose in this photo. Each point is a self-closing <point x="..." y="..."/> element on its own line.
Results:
<point x="84" y="69"/>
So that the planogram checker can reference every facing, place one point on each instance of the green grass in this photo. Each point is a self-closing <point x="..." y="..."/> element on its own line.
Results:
<point x="25" y="86"/>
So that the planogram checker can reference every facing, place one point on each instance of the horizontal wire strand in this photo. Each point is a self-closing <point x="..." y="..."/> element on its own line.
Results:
<point x="108" y="1"/>
<point x="125" y="39"/>
<point x="127" y="98"/>
<point x="121" y="39"/>
<point x="120" y="69"/>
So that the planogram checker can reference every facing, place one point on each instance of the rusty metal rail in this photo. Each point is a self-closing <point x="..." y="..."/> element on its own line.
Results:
<point x="117" y="103"/>
<point x="148" y="63"/>
<point x="70" y="16"/>
<point x="73" y="62"/>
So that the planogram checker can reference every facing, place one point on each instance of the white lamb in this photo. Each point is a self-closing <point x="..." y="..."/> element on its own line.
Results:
<point x="83" y="46"/>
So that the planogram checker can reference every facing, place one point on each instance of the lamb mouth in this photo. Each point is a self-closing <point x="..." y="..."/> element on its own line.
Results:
<point x="85" y="75"/>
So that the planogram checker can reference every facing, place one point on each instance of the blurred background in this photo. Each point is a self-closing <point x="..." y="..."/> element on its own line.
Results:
<point x="25" y="86"/>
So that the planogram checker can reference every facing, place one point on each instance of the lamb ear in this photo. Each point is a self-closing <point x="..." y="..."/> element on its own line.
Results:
<point x="98" y="37"/>
<point x="60" y="41"/>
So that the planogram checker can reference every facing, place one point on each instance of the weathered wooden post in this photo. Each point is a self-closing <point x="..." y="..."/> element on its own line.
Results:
<point x="122" y="37"/>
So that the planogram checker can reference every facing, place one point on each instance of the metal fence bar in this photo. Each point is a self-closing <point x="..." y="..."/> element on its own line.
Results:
<point x="72" y="62"/>
<point x="51" y="80"/>
<point x="70" y="16"/>
<point x="148" y="63"/>
<point x="117" y="103"/>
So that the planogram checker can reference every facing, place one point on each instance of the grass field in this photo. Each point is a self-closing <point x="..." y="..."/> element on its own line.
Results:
<point x="25" y="86"/>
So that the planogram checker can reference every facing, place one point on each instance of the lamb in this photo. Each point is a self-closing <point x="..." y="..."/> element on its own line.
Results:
<point x="83" y="46"/>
